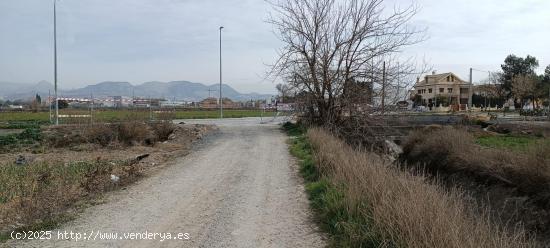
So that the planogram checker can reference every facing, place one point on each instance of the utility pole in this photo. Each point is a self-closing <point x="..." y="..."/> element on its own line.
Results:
<point x="55" y="61"/>
<point x="470" y="93"/>
<point x="383" y="85"/>
<point x="150" y="109"/>
<point x="221" y="99"/>
<point x="91" y="108"/>
<point x="50" y="105"/>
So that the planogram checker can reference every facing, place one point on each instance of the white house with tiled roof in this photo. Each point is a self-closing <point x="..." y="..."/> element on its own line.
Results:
<point x="443" y="89"/>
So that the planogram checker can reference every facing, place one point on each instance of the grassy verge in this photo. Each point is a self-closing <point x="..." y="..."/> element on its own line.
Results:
<point x="362" y="200"/>
<point x="346" y="229"/>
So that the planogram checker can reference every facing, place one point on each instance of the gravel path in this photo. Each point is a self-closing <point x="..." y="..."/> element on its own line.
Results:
<point x="239" y="189"/>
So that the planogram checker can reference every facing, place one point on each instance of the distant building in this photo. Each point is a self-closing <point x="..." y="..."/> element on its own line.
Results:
<point x="174" y="103"/>
<point x="442" y="90"/>
<point x="211" y="102"/>
<point x="146" y="103"/>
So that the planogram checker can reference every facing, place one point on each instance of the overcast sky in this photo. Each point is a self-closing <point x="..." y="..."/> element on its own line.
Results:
<point x="168" y="40"/>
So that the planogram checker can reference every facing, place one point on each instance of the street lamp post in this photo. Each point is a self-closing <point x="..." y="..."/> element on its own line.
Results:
<point x="55" y="62"/>
<point x="221" y="99"/>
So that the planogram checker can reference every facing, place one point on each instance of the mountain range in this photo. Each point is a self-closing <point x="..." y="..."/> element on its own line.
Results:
<point x="179" y="90"/>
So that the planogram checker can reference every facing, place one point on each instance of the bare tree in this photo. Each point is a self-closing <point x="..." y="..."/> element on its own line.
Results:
<point x="400" y="75"/>
<point x="285" y="91"/>
<point x="492" y="88"/>
<point x="332" y="46"/>
<point x="524" y="86"/>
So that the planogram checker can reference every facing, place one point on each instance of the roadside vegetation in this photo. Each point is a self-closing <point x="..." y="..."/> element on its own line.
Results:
<point x="362" y="200"/>
<point x="114" y="115"/>
<point x="14" y="141"/>
<point x="35" y="196"/>
<point x="506" y="174"/>
<point x="45" y="173"/>
<point x="519" y="161"/>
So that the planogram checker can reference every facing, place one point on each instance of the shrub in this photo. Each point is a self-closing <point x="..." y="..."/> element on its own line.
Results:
<point x="63" y="137"/>
<point x="31" y="134"/>
<point x="100" y="134"/>
<point x="132" y="131"/>
<point x="163" y="129"/>
<point x="28" y="136"/>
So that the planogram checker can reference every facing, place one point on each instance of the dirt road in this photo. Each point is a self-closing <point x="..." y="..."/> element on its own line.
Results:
<point x="239" y="189"/>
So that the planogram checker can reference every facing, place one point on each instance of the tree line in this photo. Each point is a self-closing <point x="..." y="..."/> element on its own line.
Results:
<point x="520" y="81"/>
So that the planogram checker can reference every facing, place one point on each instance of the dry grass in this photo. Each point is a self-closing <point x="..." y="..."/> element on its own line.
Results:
<point x="131" y="132"/>
<point x="100" y="134"/>
<point x="35" y="193"/>
<point x="450" y="150"/>
<point x="397" y="208"/>
<point x="163" y="129"/>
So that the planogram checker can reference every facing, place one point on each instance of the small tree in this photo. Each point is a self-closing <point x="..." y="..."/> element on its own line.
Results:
<point x="524" y="87"/>
<point x="515" y="66"/>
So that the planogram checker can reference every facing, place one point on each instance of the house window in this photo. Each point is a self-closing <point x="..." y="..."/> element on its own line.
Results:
<point x="441" y="90"/>
<point x="419" y="91"/>
<point x="449" y="90"/>
<point x="430" y="91"/>
<point x="449" y="79"/>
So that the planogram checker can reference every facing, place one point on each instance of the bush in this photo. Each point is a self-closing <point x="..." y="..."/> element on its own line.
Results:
<point x="33" y="134"/>
<point x="132" y="132"/>
<point x="28" y="136"/>
<point x="100" y="134"/>
<point x="163" y="129"/>
<point x="63" y="137"/>
<point x="7" y="140"/>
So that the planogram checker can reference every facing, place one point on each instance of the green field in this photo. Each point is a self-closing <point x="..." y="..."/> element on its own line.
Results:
<point x="511" y="142"/>
<point x="113" y="115"/>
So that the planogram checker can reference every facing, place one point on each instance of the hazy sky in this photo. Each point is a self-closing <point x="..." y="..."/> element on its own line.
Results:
<point x="168" y="40"/>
